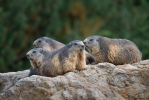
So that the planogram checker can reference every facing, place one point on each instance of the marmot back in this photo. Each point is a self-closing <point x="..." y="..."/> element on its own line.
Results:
<point x="51" y="45"/>
<point x="116" y="51"/>
<point x="64" y="60"/>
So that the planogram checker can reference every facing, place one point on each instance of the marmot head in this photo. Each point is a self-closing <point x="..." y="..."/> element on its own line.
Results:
<point x="77" y="45"/>
<point x="41" y="42"/>
<point x="91" y="41"/>
<point x="47" y="44"/>
<point x="35" y="55"/>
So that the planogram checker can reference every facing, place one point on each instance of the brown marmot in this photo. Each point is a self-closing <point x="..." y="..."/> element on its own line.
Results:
<point x="62" y="60"/>
<point x="116" y="51"/>
<point x="51" y="45"/>
<point x="36" y="57"/>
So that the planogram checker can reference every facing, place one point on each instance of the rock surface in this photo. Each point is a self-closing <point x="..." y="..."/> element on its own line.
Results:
<point x="8" y="80"/>
<point x="103" y="81"/>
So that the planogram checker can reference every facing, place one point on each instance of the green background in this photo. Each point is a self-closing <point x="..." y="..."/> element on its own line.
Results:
<point x="23" y="21"/>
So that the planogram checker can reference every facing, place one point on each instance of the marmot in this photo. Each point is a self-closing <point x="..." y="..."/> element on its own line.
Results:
<point x="36" y="57"/>
<point x="51" y="45"/>
<point x="68" y="58"/>
<point x="34" y="71"/>
<point x="47" y="44"/>
<point x="116" y="51"/>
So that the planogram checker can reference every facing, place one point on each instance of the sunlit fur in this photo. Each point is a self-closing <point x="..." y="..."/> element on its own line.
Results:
<point x="116" y="51"/>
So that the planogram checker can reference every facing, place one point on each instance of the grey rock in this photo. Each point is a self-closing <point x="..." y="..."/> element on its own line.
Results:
<point x="95" y="94"/>
<point x="81" y="94"/>
<point x="103" y="81"/>
<point x="67" y="95"/>
<point x="9" y="79"/>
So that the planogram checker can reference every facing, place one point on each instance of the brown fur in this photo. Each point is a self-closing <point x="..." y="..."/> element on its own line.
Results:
<point x="51" y="45"/>
<point x="116" y="51"/>
<point x="62" y="60"/>
<point x="36" y="57"/>
<point x="80" y="62"/>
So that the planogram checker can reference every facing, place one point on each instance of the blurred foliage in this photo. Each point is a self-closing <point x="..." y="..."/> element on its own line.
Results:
<point x="23" y="21"/>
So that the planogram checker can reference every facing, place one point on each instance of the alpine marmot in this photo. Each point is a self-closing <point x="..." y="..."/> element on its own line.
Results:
<point x="68" y="58"/>
<point x="116" y="51"/>
<point x="36" y="57"/>
<point x="51" y="45"/>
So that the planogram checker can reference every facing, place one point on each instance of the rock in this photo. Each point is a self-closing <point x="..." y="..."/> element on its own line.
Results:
<point x="95" y="94"/>
<point x="8" y="80"/>
<point x="103" y="81"/>
<point x="67" y="95"/>
<point x="81" y="94"/>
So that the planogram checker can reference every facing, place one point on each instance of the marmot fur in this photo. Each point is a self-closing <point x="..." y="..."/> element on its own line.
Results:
<point x="51" y="45"/>
<point x="36" y="57"/>
<point x="68" y="58"/>
<point x="116" y="51"/>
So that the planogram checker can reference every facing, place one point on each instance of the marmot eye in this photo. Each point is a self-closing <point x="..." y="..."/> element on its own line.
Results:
<point x="34" y="51"/>
<point x="75" y="43"/>
<point x="39" y="41"/>
<point x="91" y="39"/>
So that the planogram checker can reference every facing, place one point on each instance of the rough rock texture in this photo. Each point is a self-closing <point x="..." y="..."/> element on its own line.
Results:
<point x="8" y="80"/>
<point x="103" y="81"/>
